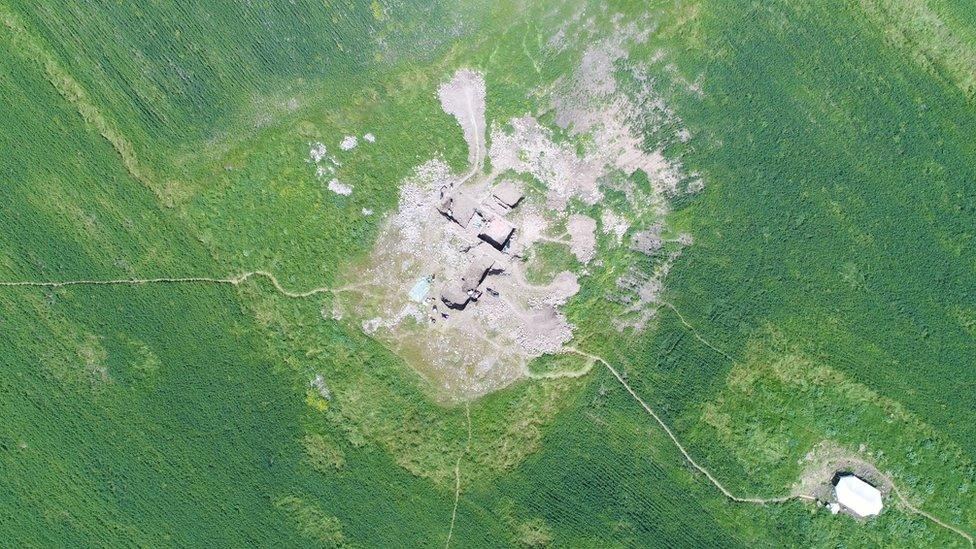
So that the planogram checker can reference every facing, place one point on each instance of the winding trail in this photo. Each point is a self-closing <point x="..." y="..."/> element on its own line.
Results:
<point x="908" y="505"/>
<point x="711" y="478"/>
<point x="592" y="360"/>
<point x="674" y="439"/>
<point x="479" y="143"/>
<point x="231" y="281"/>
<point x="695" y="333"/>
<point x="457" y="477"/>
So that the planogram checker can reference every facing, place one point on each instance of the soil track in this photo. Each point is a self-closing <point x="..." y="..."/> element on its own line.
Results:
<point x="457" y="477"/>
<point x="715" y="482"/>
<point x="232" y="281"/>
<point x="237" y="280"/>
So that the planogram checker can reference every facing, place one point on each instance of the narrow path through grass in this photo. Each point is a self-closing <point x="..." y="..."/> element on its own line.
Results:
<point x="237" y="280"/>
<point x="457" y="477"/>
<point x="232" y="281"/>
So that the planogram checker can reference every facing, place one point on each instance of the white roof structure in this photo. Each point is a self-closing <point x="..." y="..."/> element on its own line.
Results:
<point x="860" y="497"/>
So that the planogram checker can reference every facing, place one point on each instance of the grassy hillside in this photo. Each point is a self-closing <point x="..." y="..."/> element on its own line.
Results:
<point x="833" y="263"/>
<point x="837" y="232"/>
<point x="152" y="415"/>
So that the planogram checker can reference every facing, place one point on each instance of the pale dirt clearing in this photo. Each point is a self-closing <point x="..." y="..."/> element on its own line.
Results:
<point x="526" y="146"/>
<point x="348" y="143"/>
<point x="448" y="268"/>
<point x="421" y="256"/>
<point x="464" y="98"/>
<point x="340" y="188"/>
<point x="582" y="237"/>
<point x="612" y="223"/>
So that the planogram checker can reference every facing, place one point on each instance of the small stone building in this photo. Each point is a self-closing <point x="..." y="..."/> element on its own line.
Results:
<point x="455" y="298"/>
<point x="497" y="232"/>
<point x="507" y="193"/>
<point x="476" y="273"/>
<point x="460" y="208"/>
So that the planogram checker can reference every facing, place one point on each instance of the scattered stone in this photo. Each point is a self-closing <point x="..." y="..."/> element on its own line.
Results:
<point x="319" y="385"/>
<point x="484" y="341"/>
<point x="646" y="242"/>
<point x="545" y="332"/>
<point x="614" y="224"/>
<point x="370" y="138"/>
<point x="340" y="188"/>
<point x="564" y="286"/>
<point x="317" y="152"/>
<point x="582" y="237"/>
<point x="348" y="143"/>
<point x="529" y="148"/>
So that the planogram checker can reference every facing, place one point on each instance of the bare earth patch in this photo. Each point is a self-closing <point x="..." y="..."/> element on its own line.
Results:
<point x="449" y="301"/>
<point x="464" y="97"/>
<point x="447" y="276"/>
<point x="582" y="237"/>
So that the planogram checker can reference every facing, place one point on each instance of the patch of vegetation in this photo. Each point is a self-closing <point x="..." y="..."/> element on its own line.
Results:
<point x="547" y="259"/>
<point x="939" y="36"/>
<point x="312" y="522"/>
<point x="779" y="405"/>
<point x="534" y="533"/>
<point x="323" y="454"/>
<point x="561" y="365"/>
<point x="826" y="160"/>
<point x="832" y="260"/>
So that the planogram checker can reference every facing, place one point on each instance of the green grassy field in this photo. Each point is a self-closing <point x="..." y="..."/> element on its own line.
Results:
<point x="833" y="264"/>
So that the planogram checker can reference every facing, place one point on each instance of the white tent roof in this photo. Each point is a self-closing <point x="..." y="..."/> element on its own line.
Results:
<point x="858" y="496"/>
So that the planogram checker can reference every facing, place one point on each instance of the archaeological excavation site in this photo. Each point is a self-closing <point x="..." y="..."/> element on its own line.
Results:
<point x="456" y="287"/>
<point x="488" y="274"/>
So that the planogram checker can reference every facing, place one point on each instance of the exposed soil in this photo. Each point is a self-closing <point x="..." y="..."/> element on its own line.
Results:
<point x="423" y="255"/>
<point x="464" y="97"/>
<point x="529" y="148"/>
<point x="348" y="143"/>
<point x="339" y="188"/>
<point x="582" y="237"/>
<point x="450" y="293"/>
<point x="612" y="223"/>
<point x="827" y="459"/>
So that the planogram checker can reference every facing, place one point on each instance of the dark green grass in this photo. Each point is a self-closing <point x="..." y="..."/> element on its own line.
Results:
<point x="191" y="434"/>
<point x="175" y="71"/>
<point x="172" y="445"/>
<point x="839" y="212"/>
<point x="607" y="476"/>
<point x="841" y="209"/>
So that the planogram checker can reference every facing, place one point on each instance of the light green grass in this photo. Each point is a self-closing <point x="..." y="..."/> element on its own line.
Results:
<point x="832" y="261"/>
